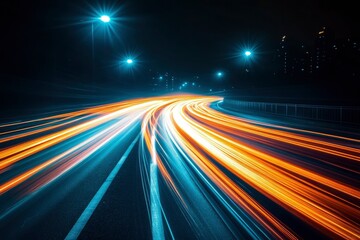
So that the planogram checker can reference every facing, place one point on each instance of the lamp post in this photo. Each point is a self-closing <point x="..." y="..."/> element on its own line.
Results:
<point x="247" y="60"/>
<point x="105" y="19"/>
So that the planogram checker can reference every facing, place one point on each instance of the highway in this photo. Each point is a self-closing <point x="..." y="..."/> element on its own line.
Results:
<point x="176" y="167"/>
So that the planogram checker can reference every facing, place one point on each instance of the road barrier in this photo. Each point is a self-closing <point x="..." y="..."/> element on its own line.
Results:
<point x="341" y="114"/>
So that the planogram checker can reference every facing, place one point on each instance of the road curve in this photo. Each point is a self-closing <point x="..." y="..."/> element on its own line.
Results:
<point x="204" y="173"/>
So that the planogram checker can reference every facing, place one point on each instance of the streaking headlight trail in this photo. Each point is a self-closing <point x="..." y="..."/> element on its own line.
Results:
<point x="225" y="176"/>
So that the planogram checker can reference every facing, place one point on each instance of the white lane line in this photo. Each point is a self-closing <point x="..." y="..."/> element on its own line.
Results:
<point x="157" y="226"/>
<point x="89" y="210"/>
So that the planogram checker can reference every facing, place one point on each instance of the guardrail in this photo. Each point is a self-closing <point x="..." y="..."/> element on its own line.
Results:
<point x="341" y="114"/>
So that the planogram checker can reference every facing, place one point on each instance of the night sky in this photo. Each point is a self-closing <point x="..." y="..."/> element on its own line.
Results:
<point x="49" y="41"/>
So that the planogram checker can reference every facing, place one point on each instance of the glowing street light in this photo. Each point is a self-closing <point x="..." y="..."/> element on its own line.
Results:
<point x="105" y="18"/>
<point x="129" y="63"/>
<point x="247" y="53"/>
<point x="219" y="74"/>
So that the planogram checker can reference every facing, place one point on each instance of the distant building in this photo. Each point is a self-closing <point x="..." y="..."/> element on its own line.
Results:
<point x="302" y="62"/>
<point x="283" y="55"/>
<point x="324" y="51"/>
<point x="321" y="61"/>
<point x="164" y="82"/>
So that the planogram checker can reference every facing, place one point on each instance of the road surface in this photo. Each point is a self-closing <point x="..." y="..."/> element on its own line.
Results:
<point x="175" y="167"/>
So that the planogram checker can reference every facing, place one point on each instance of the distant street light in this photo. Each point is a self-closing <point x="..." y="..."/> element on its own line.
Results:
<point x="129" y="63"/>
<point x="105" y="18"/>
<point x="219" y="74"/>
<point x="247" y="53"/>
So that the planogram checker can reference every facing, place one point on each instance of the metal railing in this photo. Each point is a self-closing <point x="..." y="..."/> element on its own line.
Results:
<point x="341" y="114"/>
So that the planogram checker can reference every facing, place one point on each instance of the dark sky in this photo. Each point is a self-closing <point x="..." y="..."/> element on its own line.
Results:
<point x="43" y="39"/>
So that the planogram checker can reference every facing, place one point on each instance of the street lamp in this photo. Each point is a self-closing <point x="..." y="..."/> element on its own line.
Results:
<point x="105" y="18"/>
<point x="219" y="74"/>
<point x="128" y="63"/>
<point x="247" y="53"/>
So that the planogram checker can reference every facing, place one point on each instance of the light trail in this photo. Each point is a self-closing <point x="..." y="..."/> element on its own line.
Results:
<point x="230" y="177"/>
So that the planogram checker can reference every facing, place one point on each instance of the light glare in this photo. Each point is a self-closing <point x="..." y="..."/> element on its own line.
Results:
<point x="105" y="18"/>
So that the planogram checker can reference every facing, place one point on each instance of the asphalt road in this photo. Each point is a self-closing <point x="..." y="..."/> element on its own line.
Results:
<point x="52" y="212"/>
<point x="177" y="167"/>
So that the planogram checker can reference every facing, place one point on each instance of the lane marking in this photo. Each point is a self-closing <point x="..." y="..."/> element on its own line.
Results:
<point x="89" y="210"/>
<point x="155" y="204"/>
